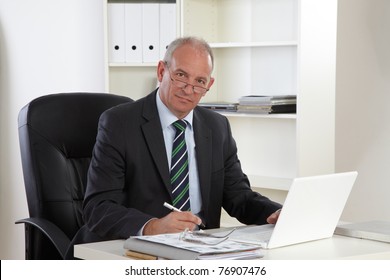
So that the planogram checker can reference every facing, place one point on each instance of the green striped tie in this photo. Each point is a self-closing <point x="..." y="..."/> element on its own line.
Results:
<point x="179" y="168"/>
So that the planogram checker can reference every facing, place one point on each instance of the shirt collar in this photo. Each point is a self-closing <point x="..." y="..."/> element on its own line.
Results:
<point x="167" y="117"/>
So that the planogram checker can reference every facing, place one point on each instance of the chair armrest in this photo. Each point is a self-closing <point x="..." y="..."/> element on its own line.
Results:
<point x="54" y="233"/>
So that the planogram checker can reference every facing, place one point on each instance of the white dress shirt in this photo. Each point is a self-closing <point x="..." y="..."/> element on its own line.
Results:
<point x="167" y="119"/>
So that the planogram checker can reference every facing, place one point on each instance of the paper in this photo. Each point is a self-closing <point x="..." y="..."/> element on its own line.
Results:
<point x="223" y="247"/>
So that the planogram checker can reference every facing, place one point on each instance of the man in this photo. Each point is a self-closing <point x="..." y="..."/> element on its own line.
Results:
<point x="129" y="177"/>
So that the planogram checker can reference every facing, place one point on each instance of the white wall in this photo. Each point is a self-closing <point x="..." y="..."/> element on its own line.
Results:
<point x="46" y="47"/>
<point x="363" y="105"/>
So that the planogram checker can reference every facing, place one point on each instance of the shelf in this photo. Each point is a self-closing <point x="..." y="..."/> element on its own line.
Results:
<point x="240" y="21"/>
<point x="215" y="46"/>
<point x="254" y="44"/>
<point x="262" y="116"/>
<point x="133" y="64"/>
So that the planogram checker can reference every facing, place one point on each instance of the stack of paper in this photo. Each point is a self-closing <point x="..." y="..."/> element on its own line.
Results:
<point x="267" y="104"/>
<point x="219" y="106"/>
<point x="170" y="246"/>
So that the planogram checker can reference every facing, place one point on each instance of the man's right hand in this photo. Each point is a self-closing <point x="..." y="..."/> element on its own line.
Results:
<point x="172" y="223"/>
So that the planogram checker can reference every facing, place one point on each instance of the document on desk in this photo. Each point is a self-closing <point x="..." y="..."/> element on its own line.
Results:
<point x="173" y="246"/>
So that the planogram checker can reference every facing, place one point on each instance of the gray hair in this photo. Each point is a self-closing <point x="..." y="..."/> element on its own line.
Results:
<point x="196" y="42"/>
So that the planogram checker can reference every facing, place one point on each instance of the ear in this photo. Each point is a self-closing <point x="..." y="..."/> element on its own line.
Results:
<point x="160" y="70"/>
<point x="211" y="82"/>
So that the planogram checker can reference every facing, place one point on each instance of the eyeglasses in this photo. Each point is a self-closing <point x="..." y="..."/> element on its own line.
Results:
<point x="201" y="237"/>
<point x="182" y="84"/>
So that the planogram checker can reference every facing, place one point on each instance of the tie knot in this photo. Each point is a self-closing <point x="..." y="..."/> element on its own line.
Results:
<point x="180" y="125"/>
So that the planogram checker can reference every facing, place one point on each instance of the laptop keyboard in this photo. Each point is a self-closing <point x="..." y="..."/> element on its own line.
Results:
<point x="263" y="236"/>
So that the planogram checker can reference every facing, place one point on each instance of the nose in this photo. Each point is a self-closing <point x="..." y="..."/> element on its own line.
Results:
<point x="188" y="89"/>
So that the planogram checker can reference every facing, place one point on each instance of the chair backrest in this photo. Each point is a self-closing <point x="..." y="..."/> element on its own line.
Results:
<point x="57" y="133"/>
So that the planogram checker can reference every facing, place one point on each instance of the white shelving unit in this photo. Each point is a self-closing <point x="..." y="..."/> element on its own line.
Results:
<point x="266" y="47"/>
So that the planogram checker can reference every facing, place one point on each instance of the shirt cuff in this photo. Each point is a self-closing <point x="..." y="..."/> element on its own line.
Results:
<point x="141" y="231"/>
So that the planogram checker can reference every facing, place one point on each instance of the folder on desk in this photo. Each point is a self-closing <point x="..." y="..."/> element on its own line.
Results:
<point x="139" y="256"/>
<point x="116" y="32"/>
<point x="169" y="246"/>
<point x="133" y="32"/>
<point x="167" y="26"/>
<point x="150" y="32"/>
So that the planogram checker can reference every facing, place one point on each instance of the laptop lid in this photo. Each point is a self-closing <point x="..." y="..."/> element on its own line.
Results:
<point x="312" y="208"/>
<point x="311" y="211"/>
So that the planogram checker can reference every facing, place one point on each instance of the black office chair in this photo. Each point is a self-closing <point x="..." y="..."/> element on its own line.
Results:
<point x="57" y="133"/>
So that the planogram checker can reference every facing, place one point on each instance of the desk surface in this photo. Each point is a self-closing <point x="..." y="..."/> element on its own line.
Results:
<point x="337" y="247"/>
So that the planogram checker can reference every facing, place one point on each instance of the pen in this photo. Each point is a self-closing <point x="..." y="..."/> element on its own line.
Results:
<point x="173" y="208"/>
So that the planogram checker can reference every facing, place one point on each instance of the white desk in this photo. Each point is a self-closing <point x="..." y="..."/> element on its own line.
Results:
<point x="337" y="247"/>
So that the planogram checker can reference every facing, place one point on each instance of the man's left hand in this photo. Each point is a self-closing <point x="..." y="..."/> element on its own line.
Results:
<point x="273" y="218"/>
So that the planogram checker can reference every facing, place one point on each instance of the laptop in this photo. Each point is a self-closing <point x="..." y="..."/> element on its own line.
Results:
<point x="311" y="211"/>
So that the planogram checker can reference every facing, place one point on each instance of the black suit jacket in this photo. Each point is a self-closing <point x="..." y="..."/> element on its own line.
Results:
<point x="128" y="179"/>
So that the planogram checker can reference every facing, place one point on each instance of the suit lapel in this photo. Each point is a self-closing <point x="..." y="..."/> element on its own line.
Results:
<point x="203" y="140"/>
<point x="152" y="132"/>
